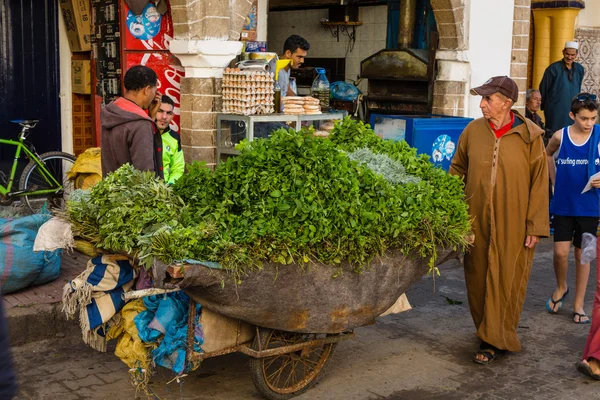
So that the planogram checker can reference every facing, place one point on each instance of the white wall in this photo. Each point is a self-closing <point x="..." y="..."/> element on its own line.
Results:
<point x="589" y="17"/>
<point x="65" y="94"/>
<point x="490" y="44"/>
<point x="370" y="37"/>
<point x="263" y="18"/>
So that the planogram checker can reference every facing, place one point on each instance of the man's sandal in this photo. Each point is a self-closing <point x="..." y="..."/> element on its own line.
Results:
<point x="489" y="354"/>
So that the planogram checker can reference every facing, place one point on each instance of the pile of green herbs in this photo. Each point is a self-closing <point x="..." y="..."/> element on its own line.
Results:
<point x="292" y="198"/>
<point x="118" y="212"/>
<point x="431" y="213"/>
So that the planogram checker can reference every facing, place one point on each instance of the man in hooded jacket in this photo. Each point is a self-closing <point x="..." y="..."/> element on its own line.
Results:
<point x="129" y="133"/>
<point x="502" y="160"/>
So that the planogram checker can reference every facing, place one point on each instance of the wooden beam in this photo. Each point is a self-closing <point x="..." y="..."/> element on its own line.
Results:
<point x="282" y="5"/>
<point x="298" y="4"/>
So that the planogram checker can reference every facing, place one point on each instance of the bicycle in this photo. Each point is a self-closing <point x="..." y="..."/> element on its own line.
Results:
<point x="44" y="177"/>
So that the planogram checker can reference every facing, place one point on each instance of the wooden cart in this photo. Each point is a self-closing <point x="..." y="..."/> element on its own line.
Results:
<point x="283" y="364"/>
<point x="287" y="358"/>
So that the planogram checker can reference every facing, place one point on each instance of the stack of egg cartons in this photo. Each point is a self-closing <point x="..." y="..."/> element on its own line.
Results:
<point x="248" y="92"/>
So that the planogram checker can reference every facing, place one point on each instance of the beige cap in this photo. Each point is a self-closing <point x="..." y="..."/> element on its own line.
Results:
<point x="572" y="45"/>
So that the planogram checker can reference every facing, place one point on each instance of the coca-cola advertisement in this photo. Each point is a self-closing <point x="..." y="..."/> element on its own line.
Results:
<point x="148" y="31"/>
<point x="147" y="39"/>
<point x="169" y="75"/>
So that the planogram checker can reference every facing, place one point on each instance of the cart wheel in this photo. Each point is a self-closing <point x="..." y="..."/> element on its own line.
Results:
<point x="288" y="375"/>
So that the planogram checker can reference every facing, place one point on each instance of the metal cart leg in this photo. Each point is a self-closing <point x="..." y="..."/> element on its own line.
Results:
<point x="219" y="140"/>
<point x="250" y="129"/>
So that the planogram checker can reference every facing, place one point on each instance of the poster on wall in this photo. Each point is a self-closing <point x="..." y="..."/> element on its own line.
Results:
<point x="169" y="74"/>
<point x="150" y="31"/>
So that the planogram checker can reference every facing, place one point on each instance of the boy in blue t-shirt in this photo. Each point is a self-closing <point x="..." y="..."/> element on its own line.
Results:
<point x="573" y="157"/>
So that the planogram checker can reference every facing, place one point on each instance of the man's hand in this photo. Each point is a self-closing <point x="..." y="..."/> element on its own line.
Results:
<point x="596" y="183"/>
<point x="531" y="241"/>
<point x="154" y="106"/>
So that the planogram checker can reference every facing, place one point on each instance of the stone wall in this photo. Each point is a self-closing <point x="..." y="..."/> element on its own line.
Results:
<point x="204" y="32"/>
<point x="448" y="91"/>
<point x="451" y="22"/>
<point x="201" y="100"/>
<point x="209" y="19"/>
<point x="520" y="49"/>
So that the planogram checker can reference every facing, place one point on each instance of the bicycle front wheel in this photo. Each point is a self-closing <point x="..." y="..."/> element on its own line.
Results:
<point x="33" y="178"/>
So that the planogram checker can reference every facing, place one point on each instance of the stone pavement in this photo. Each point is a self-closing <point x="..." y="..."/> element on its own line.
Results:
<point x="421" y="354"/>
<point x="34" y="313"/>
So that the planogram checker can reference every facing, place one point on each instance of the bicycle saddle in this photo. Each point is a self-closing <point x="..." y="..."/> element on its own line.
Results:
<point x="26" y="122"/>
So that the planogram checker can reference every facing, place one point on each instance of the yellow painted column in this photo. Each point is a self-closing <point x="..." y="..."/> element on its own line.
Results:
<point x="553" y="27"/>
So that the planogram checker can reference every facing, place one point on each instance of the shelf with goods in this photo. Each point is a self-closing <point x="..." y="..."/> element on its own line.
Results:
<point x="83" y="116"/>
<point x="233" y="128"/>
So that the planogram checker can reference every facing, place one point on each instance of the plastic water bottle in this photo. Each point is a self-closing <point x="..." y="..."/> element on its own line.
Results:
<point x="320" y="89"/>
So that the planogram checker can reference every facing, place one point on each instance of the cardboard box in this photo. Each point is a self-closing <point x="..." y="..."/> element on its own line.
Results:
<point x="81" y="76"/>
<point x="78" y="20"/>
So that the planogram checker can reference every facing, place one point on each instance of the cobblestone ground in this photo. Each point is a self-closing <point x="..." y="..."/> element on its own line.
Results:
<point x="421" y="354"/>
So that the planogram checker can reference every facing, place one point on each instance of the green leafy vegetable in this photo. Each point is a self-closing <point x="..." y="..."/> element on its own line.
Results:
<point x="292" y="198"/>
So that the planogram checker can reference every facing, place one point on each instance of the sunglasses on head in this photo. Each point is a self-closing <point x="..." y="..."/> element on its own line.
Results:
<point x="585" y="97"/>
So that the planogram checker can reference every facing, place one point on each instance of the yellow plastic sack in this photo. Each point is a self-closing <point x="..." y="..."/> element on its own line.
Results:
<point x="87" y="170"/>
<point x="86" y="181"/>
<point x="86" y="247"/>
<point x="130" y="348"/>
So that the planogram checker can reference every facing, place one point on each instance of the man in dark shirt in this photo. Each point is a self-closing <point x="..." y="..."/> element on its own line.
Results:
<point x="560" y="84"/>
<point x="533" y="100"/>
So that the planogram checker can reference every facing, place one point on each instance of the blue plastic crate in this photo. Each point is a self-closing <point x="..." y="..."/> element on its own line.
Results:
<point x="434" y="135"/>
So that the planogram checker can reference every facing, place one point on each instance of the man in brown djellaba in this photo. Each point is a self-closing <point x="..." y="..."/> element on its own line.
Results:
<point x="502" y="160"/>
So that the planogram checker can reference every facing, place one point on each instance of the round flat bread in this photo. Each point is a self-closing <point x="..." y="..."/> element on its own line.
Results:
<point x="312" y="107"/>
<point x="294" y="108"/>
<point x="291" y="98"/>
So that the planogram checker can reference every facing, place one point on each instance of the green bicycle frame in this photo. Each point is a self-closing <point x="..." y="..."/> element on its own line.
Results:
<point x="5" y="191"/>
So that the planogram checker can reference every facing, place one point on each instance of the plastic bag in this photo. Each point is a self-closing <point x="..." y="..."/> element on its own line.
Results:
<point x="588" y="248"/>
<point x="341" y="90"/>
<point x="20" y="266"/>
